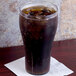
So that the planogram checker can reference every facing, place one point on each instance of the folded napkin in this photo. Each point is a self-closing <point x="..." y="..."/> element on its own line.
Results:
<point x="56" y="68"/>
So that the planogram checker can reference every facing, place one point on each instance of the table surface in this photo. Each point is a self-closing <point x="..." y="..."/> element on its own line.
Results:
<point x="64" y="51"/>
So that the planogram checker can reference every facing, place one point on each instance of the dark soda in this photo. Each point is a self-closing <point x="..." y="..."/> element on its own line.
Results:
<point x="38" y="33"/>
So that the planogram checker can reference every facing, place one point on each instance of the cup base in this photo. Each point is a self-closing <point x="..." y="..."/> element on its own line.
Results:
<point x="37" y="73"/>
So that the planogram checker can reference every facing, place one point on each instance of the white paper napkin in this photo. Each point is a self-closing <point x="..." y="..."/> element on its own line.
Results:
<point x="56" y="68"/>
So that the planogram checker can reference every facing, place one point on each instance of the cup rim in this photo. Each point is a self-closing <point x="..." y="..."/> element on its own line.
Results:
<point x="32" y="4"/>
